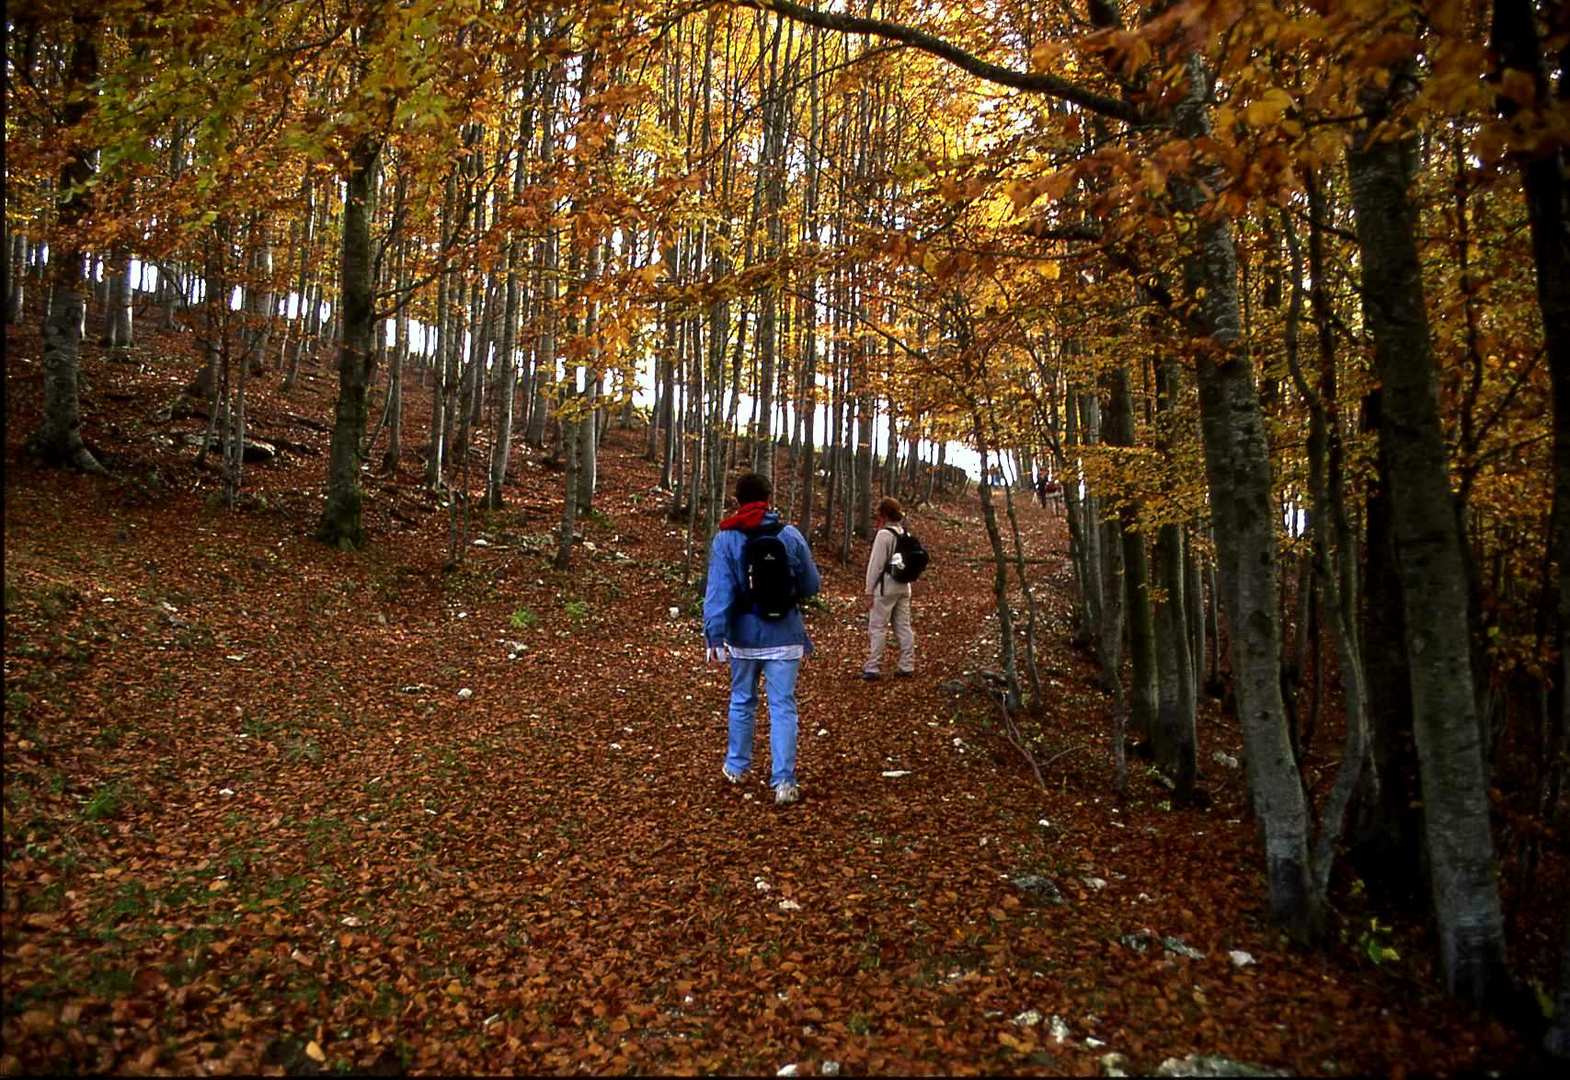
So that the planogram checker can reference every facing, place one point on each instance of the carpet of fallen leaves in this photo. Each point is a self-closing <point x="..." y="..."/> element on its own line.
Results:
<point x="271" y="807"/>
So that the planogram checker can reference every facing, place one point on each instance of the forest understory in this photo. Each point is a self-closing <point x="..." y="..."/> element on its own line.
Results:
<point x="274" y="807"/>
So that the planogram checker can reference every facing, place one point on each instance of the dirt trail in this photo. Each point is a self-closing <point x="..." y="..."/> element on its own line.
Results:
<point x="274" y="807"/>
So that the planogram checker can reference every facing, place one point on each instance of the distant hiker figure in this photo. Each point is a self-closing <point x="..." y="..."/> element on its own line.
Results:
<point x="759" y="568"/>
<point x="1050" y="492"/>
<point x="897" y="559"/>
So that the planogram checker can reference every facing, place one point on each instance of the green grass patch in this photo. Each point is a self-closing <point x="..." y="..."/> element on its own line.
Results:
<point x="104" y="803"/>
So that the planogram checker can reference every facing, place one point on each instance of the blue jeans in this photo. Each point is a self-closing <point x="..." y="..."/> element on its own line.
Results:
<point x="779" y="678"/>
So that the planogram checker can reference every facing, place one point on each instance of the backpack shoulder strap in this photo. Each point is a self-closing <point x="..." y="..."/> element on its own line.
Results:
<point x="885" y="571"/>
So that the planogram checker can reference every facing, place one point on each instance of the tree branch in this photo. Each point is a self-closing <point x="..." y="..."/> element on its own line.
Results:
<point x="1033" y="81"/>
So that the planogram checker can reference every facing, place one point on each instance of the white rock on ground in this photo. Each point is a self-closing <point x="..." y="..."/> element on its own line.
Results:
<point x="1113" y="1064"/>
<point x="1240" y="958"/>
<point x="789" y="1070"/>
<point x="829" y="1068"/>
<point x="1213" y="1065"/>
<point x="1059" y="1028"/>
<point x="895" y="774"/>
<point x="1028" y="1018"/>
<point x="465" y="694"/>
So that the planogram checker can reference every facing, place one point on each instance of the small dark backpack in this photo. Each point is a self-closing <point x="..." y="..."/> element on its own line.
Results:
<point x="909" y="558"/>
<point x="770" y="582"/>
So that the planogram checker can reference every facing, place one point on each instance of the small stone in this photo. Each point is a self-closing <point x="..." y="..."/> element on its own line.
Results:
<point x="789" y="1070"/>
<point x="1213" y="1065"/>
<point x="352" y="920"/>
<point x="823" y="731"/>
<point x="1028" y="1018"/>
<point x="1182" y="948"/>
<point x="895" y="774"/>
<point x="1037" y="889"/>
<point x="1221" y="757"/>
<point x="465" y="694"/>
<point x="1095" y="883"/>
<point x="615" y="746"/>
<point x="226" y="792"/>
<point x="1240" y="958"/>
<point x="829" y="1068"/>
<point x="1113" y="1064"/>
<point x="789" y="905"/>
<point x="1139" y="941"/>
<point x="761" y="885"/>
<point x="480" y="541"/>
<point x="1093" y="1043"/>
<point x="675" y="612"/>
<point x="1059" y="1028"/>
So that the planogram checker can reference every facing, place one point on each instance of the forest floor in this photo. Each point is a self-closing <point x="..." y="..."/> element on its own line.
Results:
<point x="275" y="807"/>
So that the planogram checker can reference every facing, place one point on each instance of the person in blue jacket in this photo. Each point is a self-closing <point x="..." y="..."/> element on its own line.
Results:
<point x="770" y="648"/>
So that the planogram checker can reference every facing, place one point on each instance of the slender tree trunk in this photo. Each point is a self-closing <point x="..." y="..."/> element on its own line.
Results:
<point x="1237" y="466"/>
<point x="1000" y="586"/>
<point x="400" y="357"/>
<point x="1175" y="736"/>
<point x="445" y="329"/>
<point x="1194" y="605"/>
<point x="117" y="320"/>
<point x="16" y="276"/>
<point x="1428" y="557"/>
<point x="1119" y="431"/>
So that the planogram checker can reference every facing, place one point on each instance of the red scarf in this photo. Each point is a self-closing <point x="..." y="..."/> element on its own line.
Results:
<point x="747" y="516"/>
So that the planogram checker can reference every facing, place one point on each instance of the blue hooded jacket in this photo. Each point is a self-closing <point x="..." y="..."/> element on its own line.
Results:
<point x="727" y="617"/>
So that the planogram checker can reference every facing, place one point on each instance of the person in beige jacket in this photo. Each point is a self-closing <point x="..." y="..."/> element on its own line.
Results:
<point x="888" y="601"/>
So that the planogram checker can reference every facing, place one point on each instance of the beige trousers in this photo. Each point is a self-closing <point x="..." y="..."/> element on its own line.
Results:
<point x="892" y="605"/>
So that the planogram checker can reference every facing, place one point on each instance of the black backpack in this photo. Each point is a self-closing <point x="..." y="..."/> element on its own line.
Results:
<point x="770" y="582"/>
<point x="913" y="558"/>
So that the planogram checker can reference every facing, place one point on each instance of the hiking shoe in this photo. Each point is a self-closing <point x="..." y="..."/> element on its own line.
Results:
<point x="786" y="794"/>
<point x="730" y="777"/>
<point x="870" y="676"/>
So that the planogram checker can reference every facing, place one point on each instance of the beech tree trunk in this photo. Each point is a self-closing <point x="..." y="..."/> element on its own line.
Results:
<point x="340" y="523"/>
<point x="1546" y="189"/>
<point x="1429" y="564"/>
<point x="16" y="277"/>
<point x="1118" y="430"/>
<point x="117" y="319"/>
<point x="58" y="439"/>
<point x="1243" y="512"/>
<point x="1173" y="735"/>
